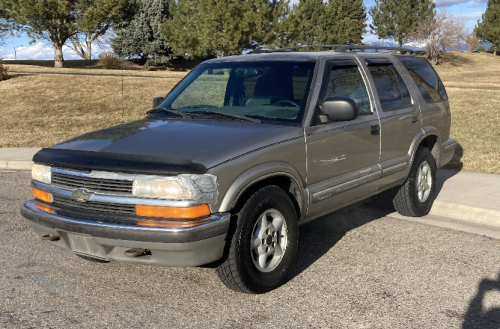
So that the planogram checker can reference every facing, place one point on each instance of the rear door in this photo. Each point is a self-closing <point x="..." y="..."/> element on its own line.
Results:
<point x="399" y="117"/>
<point x="342" y="157"/>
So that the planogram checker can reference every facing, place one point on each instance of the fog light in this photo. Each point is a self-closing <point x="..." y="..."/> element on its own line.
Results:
<point x="171" y="223"/>
<point x="45" y="208"/>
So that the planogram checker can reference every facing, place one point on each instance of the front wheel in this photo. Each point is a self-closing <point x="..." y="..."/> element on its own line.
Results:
<point x="263" y="244"/>
<point x="417" y="194"/>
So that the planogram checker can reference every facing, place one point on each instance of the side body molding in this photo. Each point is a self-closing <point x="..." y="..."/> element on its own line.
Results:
<point x="259" y="173"/>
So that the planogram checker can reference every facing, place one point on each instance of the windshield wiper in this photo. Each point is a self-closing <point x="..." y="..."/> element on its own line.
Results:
<point x="171" y="111"/>
<point x="234" y="116"/>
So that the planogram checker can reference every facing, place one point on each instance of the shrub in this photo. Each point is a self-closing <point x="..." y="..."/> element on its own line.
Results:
<point x="109" y="60"/>
<point x="480" y="49"/>
<point x="158" y="61"/>
<point x="472" y="42"/>
<point x="3" y="71"/>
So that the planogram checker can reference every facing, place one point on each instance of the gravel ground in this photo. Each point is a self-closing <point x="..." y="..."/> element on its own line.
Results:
<point x="353" y="270"/>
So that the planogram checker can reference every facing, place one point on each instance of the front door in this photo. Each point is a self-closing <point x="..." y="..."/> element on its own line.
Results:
<point x="342" y="157"/>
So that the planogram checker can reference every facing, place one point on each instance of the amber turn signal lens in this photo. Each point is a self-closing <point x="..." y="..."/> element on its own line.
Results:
<point x="42" y="195"/>
<point x="172" y="212"/>
<point x="45" y="208"/>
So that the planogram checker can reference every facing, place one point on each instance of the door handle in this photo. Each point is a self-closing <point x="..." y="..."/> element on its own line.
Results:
<point x="375" y="129"/>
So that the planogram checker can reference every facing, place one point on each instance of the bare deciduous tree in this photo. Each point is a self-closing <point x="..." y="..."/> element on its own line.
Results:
<point x="81" y="43"/>
<point x="442" y="32"/>
<point x="472" y="42"/>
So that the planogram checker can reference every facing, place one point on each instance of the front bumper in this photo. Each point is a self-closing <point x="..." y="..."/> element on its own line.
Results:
<point x="192" y="246"/>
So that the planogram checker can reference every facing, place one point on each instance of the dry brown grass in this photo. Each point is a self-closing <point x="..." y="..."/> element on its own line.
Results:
<point x="42" y="109"/>
<point x="473" y="85"/>
<point x="28" y="69"/>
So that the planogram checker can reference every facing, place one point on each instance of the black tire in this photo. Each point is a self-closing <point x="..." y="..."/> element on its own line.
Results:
<point x="240" y="269"/>
<point x="407" y="201"/>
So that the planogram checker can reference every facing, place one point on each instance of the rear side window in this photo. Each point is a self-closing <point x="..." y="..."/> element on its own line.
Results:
<point x="391" y="89"/>
<point x="428" y="82"/>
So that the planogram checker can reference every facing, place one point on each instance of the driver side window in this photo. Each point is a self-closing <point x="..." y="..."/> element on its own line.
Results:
<point x="346" y="81"/>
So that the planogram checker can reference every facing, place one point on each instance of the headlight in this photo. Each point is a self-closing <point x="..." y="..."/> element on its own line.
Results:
<point x="161" y="189"/>
<point x="41" y="173"/>
<point x="199" y="188"/>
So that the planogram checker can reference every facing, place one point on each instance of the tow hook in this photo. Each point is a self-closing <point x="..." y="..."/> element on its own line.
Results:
<point x="137" y="252"/>
<point x="48" y="237"/>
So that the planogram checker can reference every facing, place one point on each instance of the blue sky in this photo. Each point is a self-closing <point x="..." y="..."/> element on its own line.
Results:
<point x="470" y="9"/>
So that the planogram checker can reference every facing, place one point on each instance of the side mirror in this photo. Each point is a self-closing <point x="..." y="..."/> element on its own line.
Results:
<point x="339" y="109"/>
<point x="157" y="101"/>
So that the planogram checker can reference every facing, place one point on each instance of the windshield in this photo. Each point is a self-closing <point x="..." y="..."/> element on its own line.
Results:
<point x="270" y="91"/>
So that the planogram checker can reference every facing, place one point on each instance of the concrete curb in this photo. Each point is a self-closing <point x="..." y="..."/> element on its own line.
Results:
<point x="16" y="164"/>
<point x="475" y="215"/>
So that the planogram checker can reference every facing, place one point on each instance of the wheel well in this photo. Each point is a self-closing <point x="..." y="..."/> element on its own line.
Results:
<point x="431" y="143"/>
<point x="287" y="184"/>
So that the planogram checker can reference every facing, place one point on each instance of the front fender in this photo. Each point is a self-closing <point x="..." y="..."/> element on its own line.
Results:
<point x="257" y="174"/>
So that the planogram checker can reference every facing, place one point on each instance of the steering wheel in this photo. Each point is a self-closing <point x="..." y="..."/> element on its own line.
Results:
<point x="286" y="103"/>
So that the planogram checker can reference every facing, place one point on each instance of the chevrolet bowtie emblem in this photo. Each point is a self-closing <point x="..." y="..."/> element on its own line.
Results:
<point x="81" y="195"/>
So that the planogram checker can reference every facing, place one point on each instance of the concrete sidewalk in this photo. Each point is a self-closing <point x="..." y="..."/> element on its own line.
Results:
<point x="17" y="158"/>
<point x="466" y="196"/>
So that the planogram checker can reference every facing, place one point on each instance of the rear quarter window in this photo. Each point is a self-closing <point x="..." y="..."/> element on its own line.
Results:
<point x="425" y="77"/>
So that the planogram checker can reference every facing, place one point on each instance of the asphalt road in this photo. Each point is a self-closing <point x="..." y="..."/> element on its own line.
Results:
<point x="354" y="270"/>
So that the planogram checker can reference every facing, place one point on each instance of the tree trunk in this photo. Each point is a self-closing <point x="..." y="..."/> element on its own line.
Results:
<point x="495" y="51"/>
<point x="88" y="55"/>
<point x="58" y="56"/>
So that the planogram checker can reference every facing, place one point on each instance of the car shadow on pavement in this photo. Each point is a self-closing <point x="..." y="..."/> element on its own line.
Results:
<point x="319" y="236"/>
<point x="477" y="317"/>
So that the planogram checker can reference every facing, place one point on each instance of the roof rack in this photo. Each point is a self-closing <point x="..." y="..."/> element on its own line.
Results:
<point x="350" y="48"/>
<point x="337" y="48"/>
<point x="293" y="48"/>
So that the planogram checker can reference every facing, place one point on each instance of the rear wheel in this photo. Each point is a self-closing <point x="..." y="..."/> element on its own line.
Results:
<point x="417" y="194"/>
<point x="263" y="244"/>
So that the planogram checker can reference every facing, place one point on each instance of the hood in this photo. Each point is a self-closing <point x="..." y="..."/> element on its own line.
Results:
<point x="207" y="142"/>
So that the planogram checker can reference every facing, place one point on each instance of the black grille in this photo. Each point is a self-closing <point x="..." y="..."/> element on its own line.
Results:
<point x="92" y="184"/>
<point x="115" y="208"/>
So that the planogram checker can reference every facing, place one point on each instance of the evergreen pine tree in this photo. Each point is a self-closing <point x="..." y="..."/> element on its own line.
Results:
<point x="57" y="21"/>
<point x="141" y="36"/>
<point x="354" y="12"/>
<point x="221" y="28"/>
<point x="51" y="20"/>
<point x="336" y="22"/>
<point x="489" y="28"/>
<point x="398" y="19"/>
